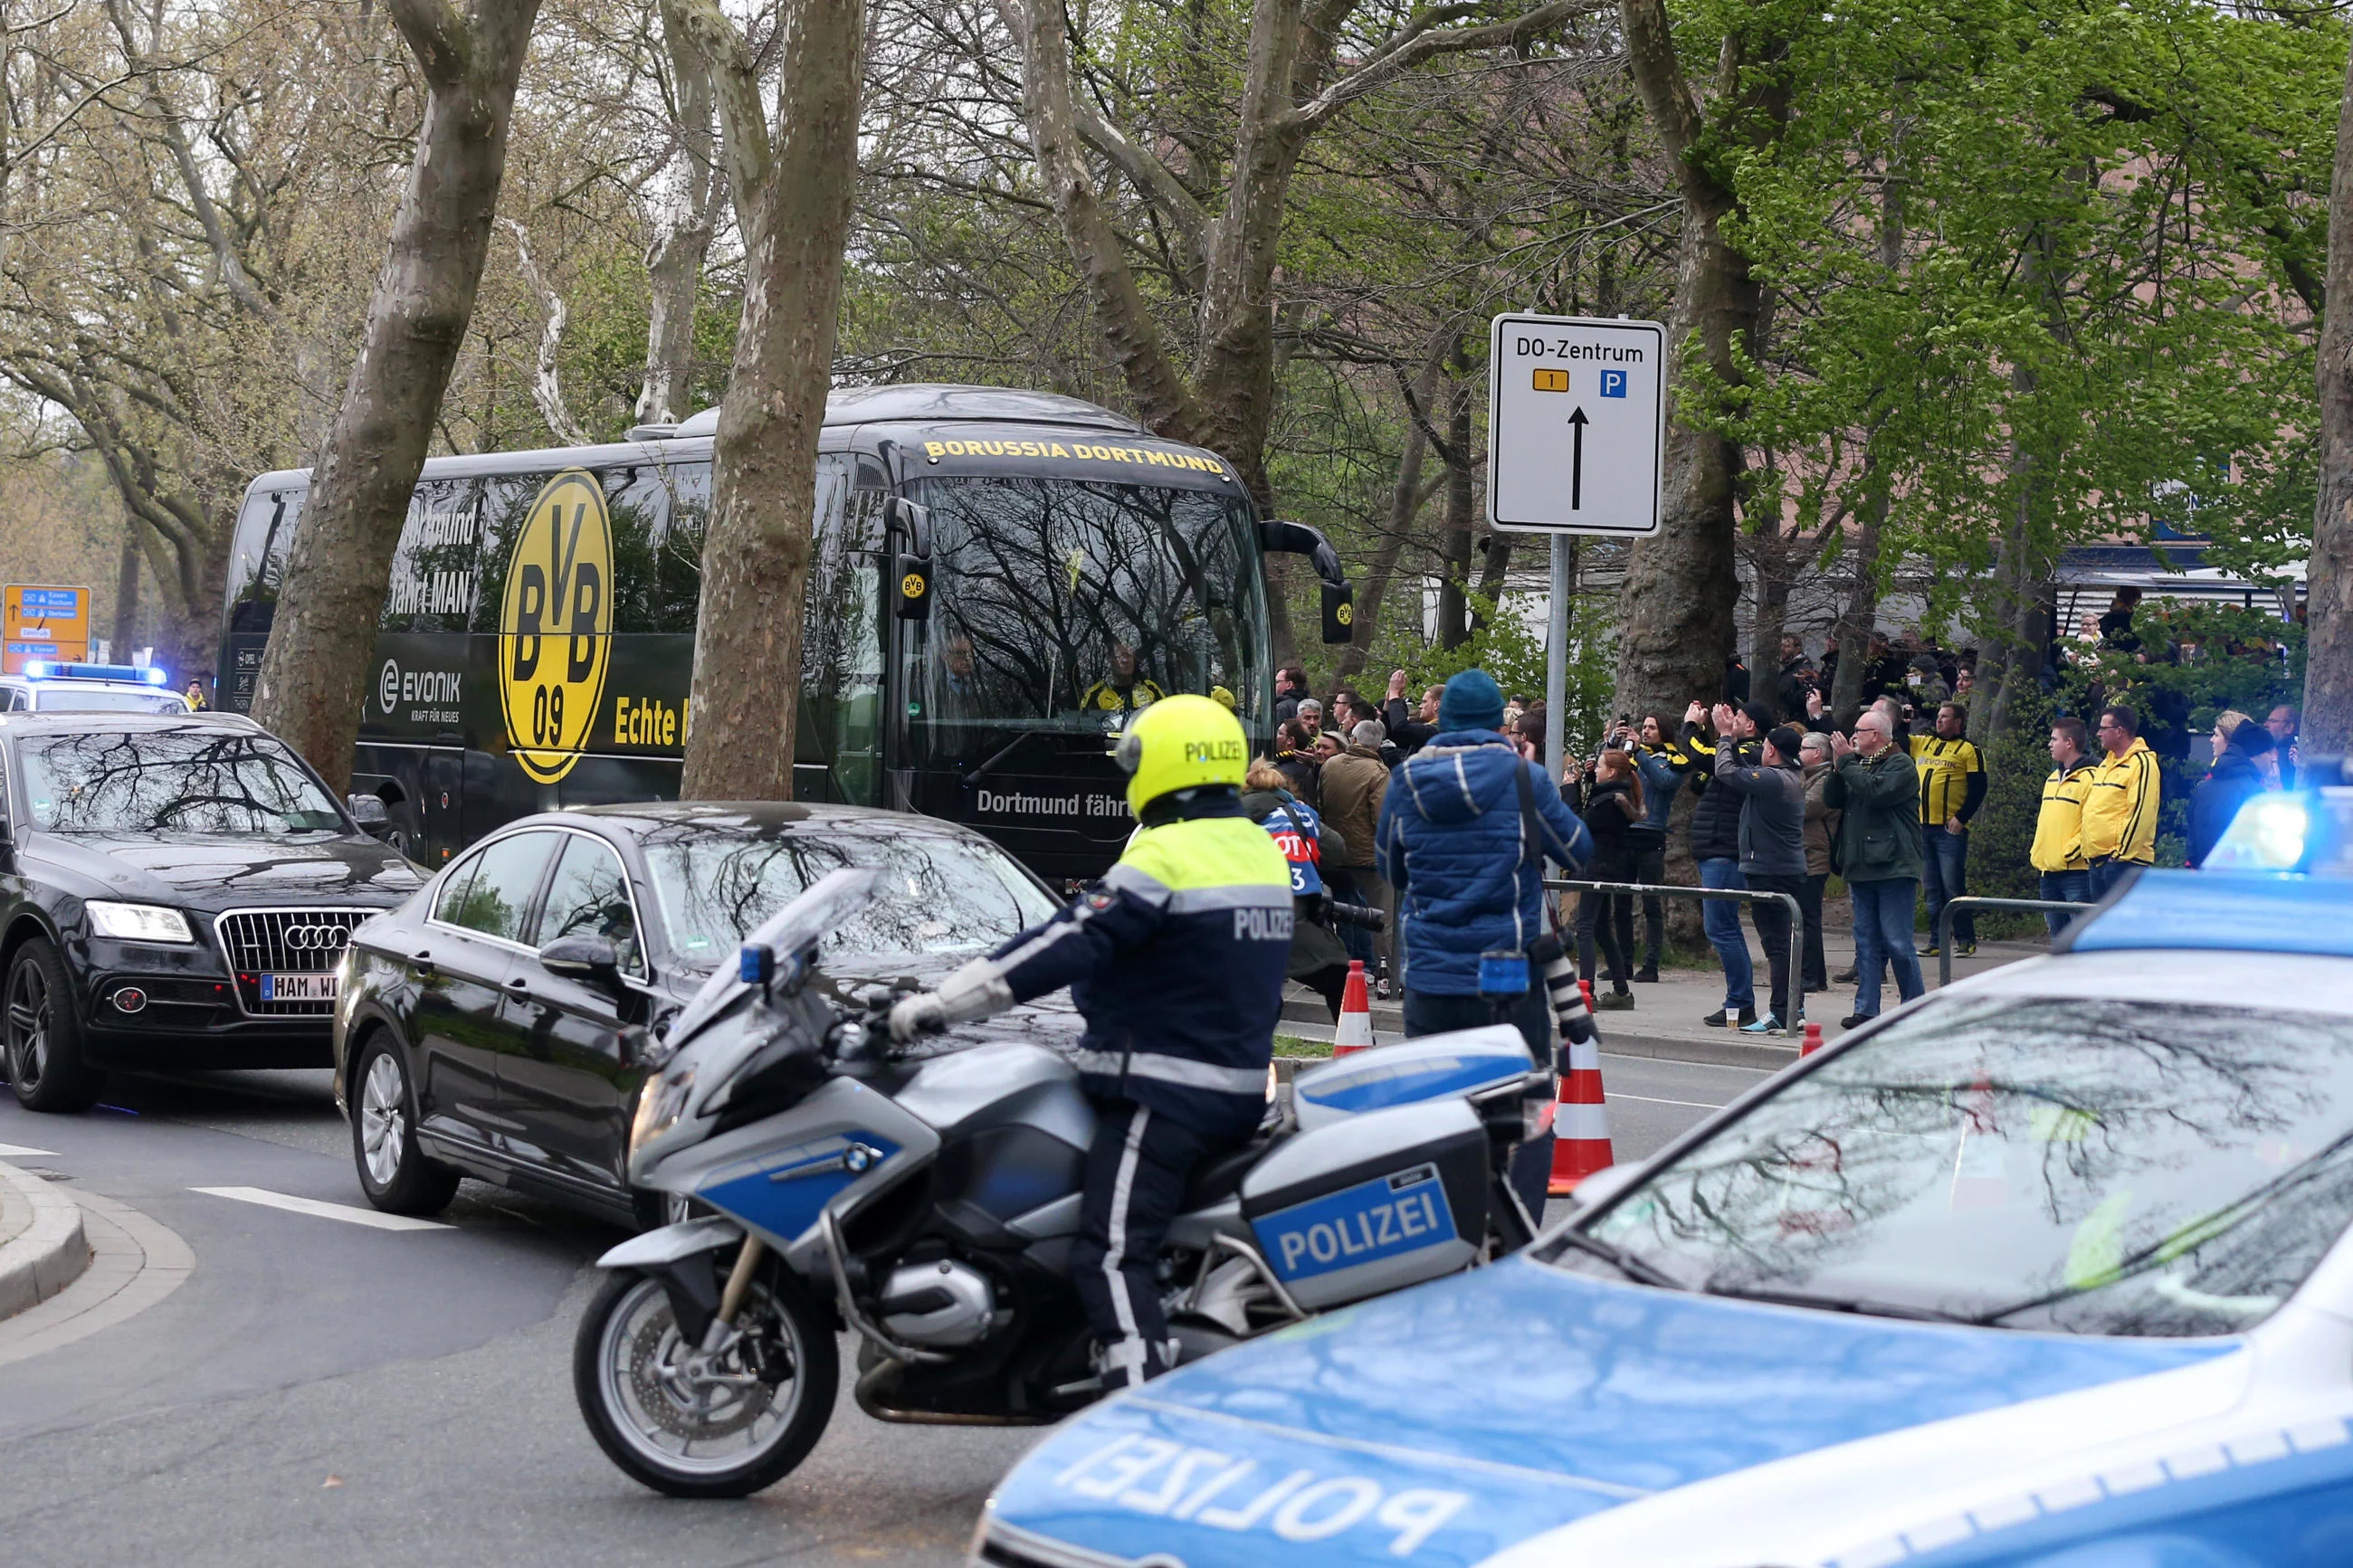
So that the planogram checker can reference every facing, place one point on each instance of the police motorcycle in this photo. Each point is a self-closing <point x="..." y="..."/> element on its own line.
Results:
<point x="927" y="1201"/>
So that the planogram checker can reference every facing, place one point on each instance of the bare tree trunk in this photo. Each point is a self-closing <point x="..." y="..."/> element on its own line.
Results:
<point x="126" y="594"/>
<point x="755" y="554"/>
<point x="1771" y="560"/>
<point x="1405" y="503"/>
<point x="674" y="261"/>
<point x="1861" y="613"/>
<point x="2328" y="670"/>
<point x="314" y="673"/>
<point x="1453" y="601"/>
<point x="1676" y="614"/>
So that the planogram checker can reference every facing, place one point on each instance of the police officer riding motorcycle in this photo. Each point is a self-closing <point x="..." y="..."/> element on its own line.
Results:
<point x="1177" y="962"/>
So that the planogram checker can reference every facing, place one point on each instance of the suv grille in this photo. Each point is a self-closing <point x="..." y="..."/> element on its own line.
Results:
<point x="285" y="942"/>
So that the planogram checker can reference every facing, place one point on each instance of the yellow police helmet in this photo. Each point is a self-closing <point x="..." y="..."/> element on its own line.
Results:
<point x="1180" y="742"/>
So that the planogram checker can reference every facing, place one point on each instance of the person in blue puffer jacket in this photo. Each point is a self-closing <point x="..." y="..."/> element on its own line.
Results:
<point x="1466" y="857"/>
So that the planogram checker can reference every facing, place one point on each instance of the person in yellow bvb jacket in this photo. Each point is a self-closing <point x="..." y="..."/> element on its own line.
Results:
<point x="2120" y="803"/>
<point x="2058" y="852"/>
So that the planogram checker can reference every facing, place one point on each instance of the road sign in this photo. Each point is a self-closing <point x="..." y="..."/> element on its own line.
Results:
<point x="42" y="623"/>
<point x="1576" y="424"/>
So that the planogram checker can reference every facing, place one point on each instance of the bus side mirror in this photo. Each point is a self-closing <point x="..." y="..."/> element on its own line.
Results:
<point x="914" y="589"/>
<point x="1277" y="538"/>
<point x="905" y="520"/>
<point x="1339" y="612"/>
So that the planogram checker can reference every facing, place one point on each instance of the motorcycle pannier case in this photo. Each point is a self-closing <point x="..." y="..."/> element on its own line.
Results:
<point x="1371" y="1203"/>
<point x="1466" y="1062"/>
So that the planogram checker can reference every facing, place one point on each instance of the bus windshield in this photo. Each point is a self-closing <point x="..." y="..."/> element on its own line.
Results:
<point x="1065" y="605"/>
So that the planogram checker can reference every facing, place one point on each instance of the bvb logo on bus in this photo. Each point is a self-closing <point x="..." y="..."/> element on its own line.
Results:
<point x="555" y="626"/>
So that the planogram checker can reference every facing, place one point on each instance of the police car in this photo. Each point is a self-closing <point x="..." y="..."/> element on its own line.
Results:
<point x="60" y="687"/>
<point x="2048" y="1269"/>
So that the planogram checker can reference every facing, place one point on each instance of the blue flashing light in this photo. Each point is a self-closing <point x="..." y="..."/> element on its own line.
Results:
<point x="756" y="964"/>
<point x="158" y="676"/>
<point x="2269" y="833"/>
<point x="38" y="669"/>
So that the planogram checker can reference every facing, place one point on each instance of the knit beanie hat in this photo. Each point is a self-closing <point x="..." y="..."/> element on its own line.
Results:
<point x="1471" y="702"/>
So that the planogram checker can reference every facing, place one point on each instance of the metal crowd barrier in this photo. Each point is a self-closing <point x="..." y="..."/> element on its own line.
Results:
<point x="1970" y="901"/>
<point x="1721" y="895"/>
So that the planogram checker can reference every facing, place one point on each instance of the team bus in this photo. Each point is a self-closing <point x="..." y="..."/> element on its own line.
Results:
<point x="999" y="579"/>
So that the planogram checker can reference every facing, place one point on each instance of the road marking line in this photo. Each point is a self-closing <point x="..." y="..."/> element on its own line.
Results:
<point x="343" y="1212"/>
<point x="1652" y="1099"/>
<point x="19" y="1151"/>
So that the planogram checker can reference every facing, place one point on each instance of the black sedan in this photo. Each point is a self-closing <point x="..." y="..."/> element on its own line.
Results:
<point x="174" y="893"/>
<point x="497" y="1025"/>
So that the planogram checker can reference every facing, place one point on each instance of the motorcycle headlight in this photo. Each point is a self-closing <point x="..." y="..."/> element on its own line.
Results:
<point x="659" y="1105"/>
<point x="138" y="923"/>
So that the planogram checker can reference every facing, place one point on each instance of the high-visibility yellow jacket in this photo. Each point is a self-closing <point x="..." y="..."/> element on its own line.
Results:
<point x="2059" y="828"/>
<point x="2120" y="807"/>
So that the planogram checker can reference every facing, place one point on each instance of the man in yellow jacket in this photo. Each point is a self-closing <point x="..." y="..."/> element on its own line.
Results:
<point x="2120" y="803"/>
<point x="2058" y="852"/>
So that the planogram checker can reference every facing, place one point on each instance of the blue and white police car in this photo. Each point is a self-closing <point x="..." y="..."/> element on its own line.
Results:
<point x="48" y="686"/>
<point x="2051" y="1269"/>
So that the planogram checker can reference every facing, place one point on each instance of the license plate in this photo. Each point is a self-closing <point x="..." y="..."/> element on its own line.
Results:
<point x="298" y="987"/>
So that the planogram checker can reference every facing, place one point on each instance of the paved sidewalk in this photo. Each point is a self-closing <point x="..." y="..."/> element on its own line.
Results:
<point x="1667" y="1018"/>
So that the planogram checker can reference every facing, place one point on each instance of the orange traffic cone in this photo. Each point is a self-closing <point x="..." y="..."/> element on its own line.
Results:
<point x="1813" y="1039"/>
<point x="1581" y="1120"/>
<point x="1355" y="1032"/>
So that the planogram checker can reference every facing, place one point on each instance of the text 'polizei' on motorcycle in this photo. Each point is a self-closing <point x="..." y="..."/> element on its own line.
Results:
<point x="930" y="1205"/>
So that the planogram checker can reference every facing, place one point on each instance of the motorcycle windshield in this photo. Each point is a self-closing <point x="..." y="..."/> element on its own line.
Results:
<point x="835" y="897"/>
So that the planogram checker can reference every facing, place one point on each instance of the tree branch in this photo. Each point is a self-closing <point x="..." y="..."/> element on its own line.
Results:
<point x="1416" y="42"/>
<point x="437" y="37"/>
<point x="547" y="382"/>
<point x="744" y="144"/>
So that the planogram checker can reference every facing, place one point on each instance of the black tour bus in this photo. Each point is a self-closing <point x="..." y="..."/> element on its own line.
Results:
<point x="1000" y="578"/>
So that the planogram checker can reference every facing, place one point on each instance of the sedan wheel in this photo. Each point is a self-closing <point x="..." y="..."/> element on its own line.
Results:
<point x="383" y="1120"/>
<point x="394" y="1172"/>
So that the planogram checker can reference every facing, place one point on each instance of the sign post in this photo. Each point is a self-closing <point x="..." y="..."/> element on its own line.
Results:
<point x="41" y="623"/>
<point x="1576" y="431"/>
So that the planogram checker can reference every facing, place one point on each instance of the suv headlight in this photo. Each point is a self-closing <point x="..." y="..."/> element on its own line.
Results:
<point x="138" y="923"/>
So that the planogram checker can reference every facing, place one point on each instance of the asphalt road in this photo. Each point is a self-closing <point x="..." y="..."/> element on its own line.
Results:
<point x="320" y="1390"/>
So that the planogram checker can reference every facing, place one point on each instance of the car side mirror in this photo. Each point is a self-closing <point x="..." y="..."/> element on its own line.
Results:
<point x="590" y="960"/>
<point x="369" y="812"/>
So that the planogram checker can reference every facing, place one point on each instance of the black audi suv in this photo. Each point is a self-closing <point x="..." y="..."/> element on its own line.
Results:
<point x="175" y="891"/>
<point x="499" y="1023"/>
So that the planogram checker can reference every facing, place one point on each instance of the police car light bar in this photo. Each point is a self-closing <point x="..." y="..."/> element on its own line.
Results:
<point x="135" y="675"/>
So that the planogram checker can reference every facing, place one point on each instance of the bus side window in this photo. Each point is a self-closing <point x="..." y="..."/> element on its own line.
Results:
<point x="675" y="586"/>
<point x="265" y="532"/>
<point x="437" y="567"/>
<point x="841" y="646"/>
<point x="638" y="499"/>
<point x="505" y="502"/>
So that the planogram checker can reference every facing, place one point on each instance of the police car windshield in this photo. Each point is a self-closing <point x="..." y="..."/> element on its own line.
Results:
<point x="166" y="783"/>
<point x="1064" y="605"/>
<point x="937" y="893"/>
<point x="2088" y="1166"/>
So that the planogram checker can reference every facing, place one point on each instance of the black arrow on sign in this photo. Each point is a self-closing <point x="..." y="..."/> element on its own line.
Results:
<point x="1577" y="423"/>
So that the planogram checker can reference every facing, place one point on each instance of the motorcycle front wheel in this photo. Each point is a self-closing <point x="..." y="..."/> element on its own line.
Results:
<point x="719" y="1426"/>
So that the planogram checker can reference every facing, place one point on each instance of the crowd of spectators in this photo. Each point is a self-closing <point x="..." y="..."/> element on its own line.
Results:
<point x="1786" y="802"/>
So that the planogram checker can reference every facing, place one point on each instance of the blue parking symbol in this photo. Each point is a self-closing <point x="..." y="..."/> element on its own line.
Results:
<point x="1613" y="384"/>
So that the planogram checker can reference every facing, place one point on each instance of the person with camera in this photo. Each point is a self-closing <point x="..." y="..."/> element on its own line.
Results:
<point x="1716" y="845"/>
<point x="1664" y="766"/>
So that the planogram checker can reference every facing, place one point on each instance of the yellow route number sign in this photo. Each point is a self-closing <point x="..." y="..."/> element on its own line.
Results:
<point x="555" y="626"/>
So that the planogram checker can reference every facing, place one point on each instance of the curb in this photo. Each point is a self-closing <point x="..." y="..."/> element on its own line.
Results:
<point x="49" y="1253"/>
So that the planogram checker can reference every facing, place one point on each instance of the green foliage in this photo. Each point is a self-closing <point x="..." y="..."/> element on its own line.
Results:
<point x="2037" y="266"/>
<point x="2221" y="658"/>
